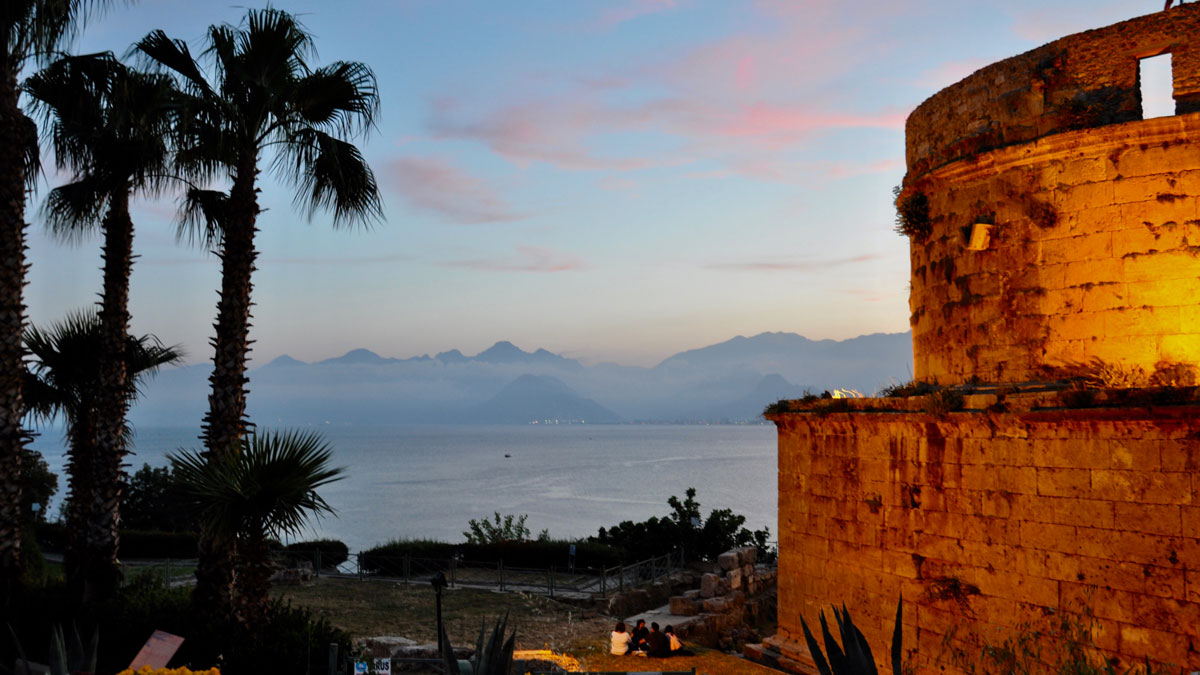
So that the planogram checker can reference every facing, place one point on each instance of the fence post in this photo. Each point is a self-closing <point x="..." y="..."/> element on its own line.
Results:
<point x="603" y="584"/>
<point x="333" y="658"/>
<point x="500" y="569"/>
<point x="317" y="571"/>
<point x="453" y="569"/>
<point x="358" y="564"/>
<point x="550" y="580"/>
<point x="407" y="562"/>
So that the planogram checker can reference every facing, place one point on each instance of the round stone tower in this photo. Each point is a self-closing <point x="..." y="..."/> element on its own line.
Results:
<point x="1054" y="232"/>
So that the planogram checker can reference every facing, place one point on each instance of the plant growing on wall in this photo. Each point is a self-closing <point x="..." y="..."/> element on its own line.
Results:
<point x="912" y="214"/>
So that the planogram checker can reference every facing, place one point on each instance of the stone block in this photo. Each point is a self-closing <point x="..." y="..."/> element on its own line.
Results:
<point x="716" y="605"/>
<point x="727" y="560"/>
<point x="734" y="579"/>
<point x="692" y="594"/>
<point x="709" y="585"/>
<point x="748" y="555"/>
<point x="683" y="606"/>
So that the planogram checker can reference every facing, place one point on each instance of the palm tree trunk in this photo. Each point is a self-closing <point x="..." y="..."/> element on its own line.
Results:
<point x="225" y="424"/>
<point x="17" y="133"/>
<point x="253" y="582"/>
<point x="81" y="454"/>
<point x="104" y="512"/>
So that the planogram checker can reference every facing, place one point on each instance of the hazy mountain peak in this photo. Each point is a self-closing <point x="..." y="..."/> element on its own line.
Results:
<point x="284" y="361"/>
<point x="452" y="356"/>
<point x="358" y="356"/>
<point x="501" y="352"/>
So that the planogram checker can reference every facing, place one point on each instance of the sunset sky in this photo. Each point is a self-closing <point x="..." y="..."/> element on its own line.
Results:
<point x="612" y="181"/>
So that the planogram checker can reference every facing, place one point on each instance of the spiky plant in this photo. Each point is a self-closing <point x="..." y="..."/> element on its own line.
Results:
<point x="494" y="657"/>
<point x="854" y="656"/>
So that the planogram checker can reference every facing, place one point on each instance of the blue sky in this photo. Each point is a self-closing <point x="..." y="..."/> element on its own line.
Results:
<point x="613" y="181"/>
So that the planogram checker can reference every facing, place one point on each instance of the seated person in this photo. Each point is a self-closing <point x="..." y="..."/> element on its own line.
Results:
<point x="657" y="644"/>
<point x="675" y="644"/>
<point x="639" y="635"/>
<point x="620" y="640"/>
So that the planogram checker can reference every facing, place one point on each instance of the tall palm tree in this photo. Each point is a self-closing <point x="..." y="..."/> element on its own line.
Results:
<point x="263" y="99"/>
<point x="29" y="30"/>
<point x="64" y="379"/>
<point x="267" y="489"/>
<point x="109" y="126"/>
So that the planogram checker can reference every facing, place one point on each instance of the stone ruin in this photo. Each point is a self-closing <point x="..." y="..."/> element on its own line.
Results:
<point x="1044" y="461"/>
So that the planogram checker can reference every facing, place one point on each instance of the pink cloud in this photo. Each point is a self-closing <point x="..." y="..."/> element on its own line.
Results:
<point x="792" y="265"/>
<point x="769" y="87"/>
<point x="434" y="185"/>
<point x="527" y="259"/>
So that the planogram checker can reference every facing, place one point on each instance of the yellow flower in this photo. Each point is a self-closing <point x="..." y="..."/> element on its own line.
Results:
<point x="184" y="670"/>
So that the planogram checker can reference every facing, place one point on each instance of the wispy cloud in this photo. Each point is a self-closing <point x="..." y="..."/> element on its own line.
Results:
<point x="629" y="10"/>
<point x="343" y="260"/>
<point x="433" y="184"/>
<point x="808" y="265"/>
<point x="526" y="259"/>
<point x="771" y="86"/>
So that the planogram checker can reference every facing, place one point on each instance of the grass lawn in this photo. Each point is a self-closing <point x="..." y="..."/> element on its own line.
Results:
<point x="378" y="608"/>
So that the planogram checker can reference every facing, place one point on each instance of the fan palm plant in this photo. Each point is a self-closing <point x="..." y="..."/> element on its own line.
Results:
<point x="263" y="99"/>
<point x="109" y="127"/>
<point x="64" y="380"/>
<point x="242" y="499"/>
<point x="29" y="30"/>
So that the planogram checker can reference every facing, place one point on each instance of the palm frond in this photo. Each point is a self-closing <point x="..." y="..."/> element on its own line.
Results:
<point x="162" y="51"/>
<point x="332" y="174"/>
<point x="73" y="211"/>
<point x="342" y="96"/>
<point x="201" y="217"/>
<point x="269" y="488"/>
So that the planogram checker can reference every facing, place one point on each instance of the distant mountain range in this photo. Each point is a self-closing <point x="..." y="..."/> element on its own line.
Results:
<point x="727" y="382"/>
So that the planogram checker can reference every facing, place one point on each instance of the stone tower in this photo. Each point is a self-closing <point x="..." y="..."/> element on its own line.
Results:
<point x="1044" y="463"/>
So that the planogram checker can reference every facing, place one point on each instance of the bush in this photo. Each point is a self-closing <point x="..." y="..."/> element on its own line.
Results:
<point x="143" y="544"/>
<point x="291" y="640"/>
<point x="333" y="552"/>
<point x="389" y="558"/>
<point x="702" y="539"/>
<point x="154" y="501"/>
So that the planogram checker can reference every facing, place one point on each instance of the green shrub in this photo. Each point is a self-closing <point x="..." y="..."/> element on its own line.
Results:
<point x="291" y="640"/>
<point x="912" y="215"/>
<point x="149" y="544"/>
<point x="333" y="552"/>
<point x="699" y="538"/>
<point x="388" y="558"/>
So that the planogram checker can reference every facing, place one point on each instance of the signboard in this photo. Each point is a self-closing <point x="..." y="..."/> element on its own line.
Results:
<point x="157" y="651"/>
<point x="360" y="668"/>
<point x="383" y="666"/>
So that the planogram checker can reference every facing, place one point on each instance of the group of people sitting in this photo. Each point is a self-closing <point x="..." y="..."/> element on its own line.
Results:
<point x="647" y="642"/>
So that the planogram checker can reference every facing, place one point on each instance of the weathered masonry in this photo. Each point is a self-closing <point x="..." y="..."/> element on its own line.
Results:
<point x="1049" y="465"/>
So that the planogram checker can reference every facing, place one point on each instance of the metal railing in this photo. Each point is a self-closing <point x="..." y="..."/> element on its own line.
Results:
<point x="565" y="581"/>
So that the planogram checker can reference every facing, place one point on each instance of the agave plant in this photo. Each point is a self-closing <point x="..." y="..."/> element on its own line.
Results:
<point x="854" y="656"/>
<point x="493" y="658"/>
<point x="66" y="658"/>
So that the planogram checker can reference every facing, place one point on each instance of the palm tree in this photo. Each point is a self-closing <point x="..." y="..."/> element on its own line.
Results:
<point x="242" y="499"/>
<point x="29" y="30"/>
<point x="64" y="379"/>
<point x="109" y="126"/>
<point x="263" y="98"/>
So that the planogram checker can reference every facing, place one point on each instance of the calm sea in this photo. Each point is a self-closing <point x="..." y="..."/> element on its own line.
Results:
<point x="428" y="481"/>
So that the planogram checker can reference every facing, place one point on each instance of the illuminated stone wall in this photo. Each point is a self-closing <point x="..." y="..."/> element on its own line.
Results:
<point x="987" y="518"/>
<point x="1094" y="250"/>
<point x="1062" y="238"/>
